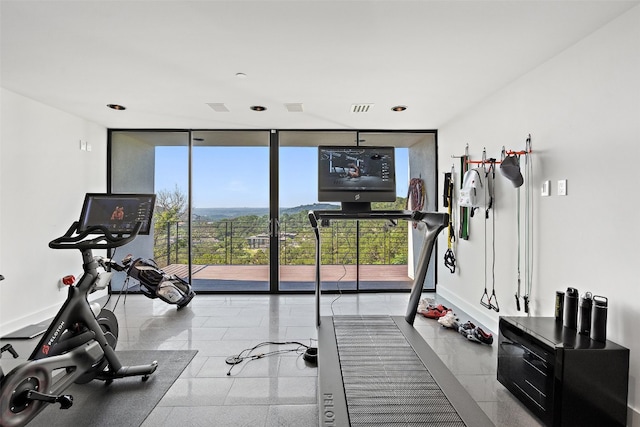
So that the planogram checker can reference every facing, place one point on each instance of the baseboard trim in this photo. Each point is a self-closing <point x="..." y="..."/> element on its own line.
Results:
<point x="40" y="316"/>
<point x="633" y="417"/>
<point x="485" y="317"/>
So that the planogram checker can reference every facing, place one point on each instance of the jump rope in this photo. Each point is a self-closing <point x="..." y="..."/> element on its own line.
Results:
<point x="528" y="230"/>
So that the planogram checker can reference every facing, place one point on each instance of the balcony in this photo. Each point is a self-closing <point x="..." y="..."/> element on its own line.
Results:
<point x="233" y="255"/>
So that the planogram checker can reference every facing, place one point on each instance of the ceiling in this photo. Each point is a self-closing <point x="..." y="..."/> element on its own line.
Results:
<point x="166" y="61"/>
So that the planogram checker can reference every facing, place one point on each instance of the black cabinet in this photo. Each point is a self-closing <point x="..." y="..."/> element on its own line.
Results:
<point x="565" y="378"/>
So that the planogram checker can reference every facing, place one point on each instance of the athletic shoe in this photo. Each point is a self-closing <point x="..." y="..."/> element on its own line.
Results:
<point x="425" y="303"/>
<point x="481" y="336"/>
<point x="466" y="329"/>
<point x="472" y="337"/>
<point x="428" y="309"/>
<point x="436" y="312"/>
<point x="449" y="320"/>
<point x="432" y="313"/>
<point x="475" y="333"/>
<point x="442" y="308"/>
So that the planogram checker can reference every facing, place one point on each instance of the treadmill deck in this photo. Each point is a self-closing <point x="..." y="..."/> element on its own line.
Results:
<point x="377" y="370"/>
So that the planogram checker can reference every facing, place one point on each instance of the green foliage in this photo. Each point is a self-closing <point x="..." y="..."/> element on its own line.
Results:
<point x="227" y="241"/>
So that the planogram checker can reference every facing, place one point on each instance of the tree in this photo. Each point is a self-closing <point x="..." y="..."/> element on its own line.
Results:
<point x="171" y="207"/>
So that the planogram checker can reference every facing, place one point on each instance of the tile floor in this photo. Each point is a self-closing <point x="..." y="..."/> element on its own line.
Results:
<point x="279" y="390"/>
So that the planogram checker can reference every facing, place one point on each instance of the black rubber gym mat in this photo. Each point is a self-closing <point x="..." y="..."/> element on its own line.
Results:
<point x="124" y="402"/>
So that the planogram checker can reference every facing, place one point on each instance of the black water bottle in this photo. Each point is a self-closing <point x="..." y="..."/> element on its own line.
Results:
<point x="599" y="318"/>
<point x="585" y="314"/>
<point x="571" y="308"/>
<point x="559" y="306"/>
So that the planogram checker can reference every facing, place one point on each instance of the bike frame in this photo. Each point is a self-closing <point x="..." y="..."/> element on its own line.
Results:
<point x="75" y="346"/>
<point x="76" y="309"/>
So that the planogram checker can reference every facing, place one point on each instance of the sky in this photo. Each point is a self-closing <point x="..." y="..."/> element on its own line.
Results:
<point x="239" y="176"/>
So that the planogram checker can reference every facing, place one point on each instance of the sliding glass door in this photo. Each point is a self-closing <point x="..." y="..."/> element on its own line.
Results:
<point x="355" y="255"/>
<point x="232" y="212"/>
<point x="298" y="184"/>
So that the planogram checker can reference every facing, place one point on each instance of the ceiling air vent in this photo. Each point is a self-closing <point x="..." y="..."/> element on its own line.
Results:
<point x="295" y="107"/>
<point x="361" y="108"/>
<point x="218" y="107"/>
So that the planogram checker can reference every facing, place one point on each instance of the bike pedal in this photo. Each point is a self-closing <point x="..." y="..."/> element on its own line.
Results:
<point x="10" y="349"/>
<point x="65" y="400"/>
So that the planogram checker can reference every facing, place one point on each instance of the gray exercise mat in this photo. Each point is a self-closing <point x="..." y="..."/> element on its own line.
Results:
<point x="124" y="402"/>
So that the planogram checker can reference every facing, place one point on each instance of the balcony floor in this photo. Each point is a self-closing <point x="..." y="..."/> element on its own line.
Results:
<point x="252" y="278"/>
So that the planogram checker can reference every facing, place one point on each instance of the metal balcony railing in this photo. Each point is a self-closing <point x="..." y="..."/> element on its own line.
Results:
<point x="246" y="242"/>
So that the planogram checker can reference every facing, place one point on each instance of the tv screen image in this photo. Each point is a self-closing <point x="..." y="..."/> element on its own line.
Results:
<point x="351" y="174"/>
<point x="119" y="213"/>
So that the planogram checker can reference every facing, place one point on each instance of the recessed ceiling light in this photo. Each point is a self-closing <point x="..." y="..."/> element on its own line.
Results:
<point x="116" y="107"/>
<point x="241" y="75"/>
<point x="399" y="108"/>
<point x="258" y="108"/>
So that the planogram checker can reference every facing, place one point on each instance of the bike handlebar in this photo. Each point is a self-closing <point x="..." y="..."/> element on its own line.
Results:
<point x="105" y="239"/>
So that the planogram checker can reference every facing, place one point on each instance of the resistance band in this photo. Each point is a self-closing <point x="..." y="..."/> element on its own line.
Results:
<point x="449" y="255"/>
<point x="490" y="302"/>
<point x="528" y="230"/>
<point x="519" y="244"/>
<point x="464" y="211"/>
<point x="528" y="234"/>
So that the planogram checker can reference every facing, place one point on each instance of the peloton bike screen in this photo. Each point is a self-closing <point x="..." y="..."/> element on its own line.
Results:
<point x="119" y="213"/>
<point x="356" y="176"/>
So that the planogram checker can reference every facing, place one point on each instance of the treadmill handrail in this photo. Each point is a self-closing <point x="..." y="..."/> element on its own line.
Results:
<point x="435" y="222"/>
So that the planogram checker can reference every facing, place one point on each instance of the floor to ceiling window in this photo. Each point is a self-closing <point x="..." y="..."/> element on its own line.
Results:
<point x="233" y="209"/>
<point x="298" y="184"/>
<point x="382" y="246"/>
<point x="230" y="211"/>
<point x="154" y="162"/>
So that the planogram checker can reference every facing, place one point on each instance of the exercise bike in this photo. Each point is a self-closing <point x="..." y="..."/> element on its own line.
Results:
<point x="79" y="345"/>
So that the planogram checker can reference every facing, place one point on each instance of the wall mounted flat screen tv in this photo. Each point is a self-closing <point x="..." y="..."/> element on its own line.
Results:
<point x="119" y="213"/>
<point x="356" y="176"/>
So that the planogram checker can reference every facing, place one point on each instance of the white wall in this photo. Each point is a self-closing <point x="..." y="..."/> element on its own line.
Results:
<point x="582" y="109"/>
<point x="43" y="178"/>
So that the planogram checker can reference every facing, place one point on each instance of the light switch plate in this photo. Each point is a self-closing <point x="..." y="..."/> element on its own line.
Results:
<point x="546" y="186"/>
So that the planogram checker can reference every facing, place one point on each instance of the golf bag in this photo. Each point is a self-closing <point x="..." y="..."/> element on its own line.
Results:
<point x="155" y="283"/>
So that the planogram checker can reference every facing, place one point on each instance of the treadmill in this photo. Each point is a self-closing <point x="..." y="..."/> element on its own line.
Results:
<point x="378" y="370"/>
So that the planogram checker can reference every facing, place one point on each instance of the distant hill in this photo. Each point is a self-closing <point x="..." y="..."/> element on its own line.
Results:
<point x="214" y="214"/>
<point x="306" y="208"/>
